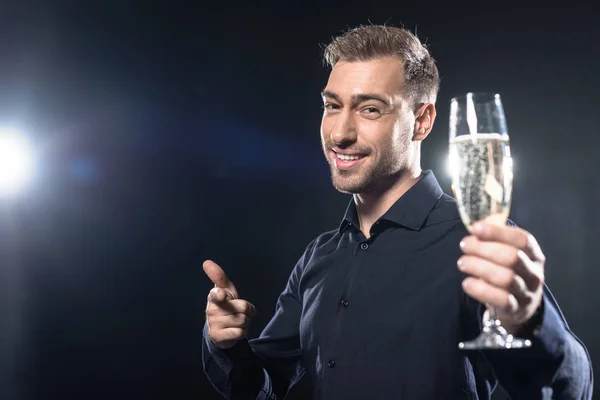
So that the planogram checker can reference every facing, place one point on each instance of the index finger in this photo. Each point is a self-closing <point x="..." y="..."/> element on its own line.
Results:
<point x="513" y="236"/>
<point x="216" y="274"/>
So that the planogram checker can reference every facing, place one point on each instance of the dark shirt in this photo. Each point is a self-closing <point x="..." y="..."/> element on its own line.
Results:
<point x="381" y="318"/>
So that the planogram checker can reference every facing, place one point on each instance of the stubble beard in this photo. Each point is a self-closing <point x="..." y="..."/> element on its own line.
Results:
<point x="376" y="175"/>
<point x="369" y="178"/>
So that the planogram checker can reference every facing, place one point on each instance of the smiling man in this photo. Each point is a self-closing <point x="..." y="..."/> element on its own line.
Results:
<point x="375" y="308"/>
<point x="371" y="131"/>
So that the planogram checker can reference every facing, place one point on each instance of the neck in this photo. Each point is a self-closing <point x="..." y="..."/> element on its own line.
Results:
<point x="372" y="205"/>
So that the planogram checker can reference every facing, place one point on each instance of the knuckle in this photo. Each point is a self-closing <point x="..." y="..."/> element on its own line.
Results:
<point x="235" y="333"/>
<point x="512" y="303"/>
<point x="503" y="305"/>
<point x="214" y="310"/>
<point x="524" y="240"/>
<point x="213" y="295"/>
<point x="229" y="320"/>
<point x="244" y="321"/>
<point x="213" y="322"/>
<point x="210" y="309"/>
<point x="534" y="248"/>
<point x="527" y="299"/>
<point x="514" y="260"/>
<point x="507" y="279"/>
<point x="537" y="279"/>
<point x="215" y="334"/>
<point x="529" y="241"/>
<point x="506" y="304"/>
<point x="541" y="257"/>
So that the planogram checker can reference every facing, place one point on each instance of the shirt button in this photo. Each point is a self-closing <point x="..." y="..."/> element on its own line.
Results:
<point x="331" y="363"/>
<point x="345" y="303"/>
<point x="364" y="246"/>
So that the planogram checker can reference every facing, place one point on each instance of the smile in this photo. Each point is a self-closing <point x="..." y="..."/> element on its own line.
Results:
<point x="345" y="162"/>
<point x="345" y="157"/>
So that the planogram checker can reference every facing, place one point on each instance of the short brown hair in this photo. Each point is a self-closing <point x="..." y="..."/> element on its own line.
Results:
<point x="369" y="42"/>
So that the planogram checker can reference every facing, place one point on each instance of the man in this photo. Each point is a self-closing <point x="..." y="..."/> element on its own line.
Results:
<point x="375" y="308"/>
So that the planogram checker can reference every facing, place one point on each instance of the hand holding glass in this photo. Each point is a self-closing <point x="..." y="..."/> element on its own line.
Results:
<point x="482" y="177"/>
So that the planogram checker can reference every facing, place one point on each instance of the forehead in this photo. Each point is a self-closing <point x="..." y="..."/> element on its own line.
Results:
<point x="382" y="75"/>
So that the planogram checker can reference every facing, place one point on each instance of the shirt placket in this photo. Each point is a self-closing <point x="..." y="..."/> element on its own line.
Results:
<point x="334" y="359"/>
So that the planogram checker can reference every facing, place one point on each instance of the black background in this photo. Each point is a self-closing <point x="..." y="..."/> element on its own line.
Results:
<point x="167" y="133"/>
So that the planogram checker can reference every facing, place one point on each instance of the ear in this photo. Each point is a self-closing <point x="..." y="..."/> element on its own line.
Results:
<point x="424" y="118"/>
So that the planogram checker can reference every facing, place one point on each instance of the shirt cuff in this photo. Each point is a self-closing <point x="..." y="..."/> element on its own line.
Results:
<point x="549" y="336"/>
<point x="530" y="369"/>
<point x="225" y="357"/>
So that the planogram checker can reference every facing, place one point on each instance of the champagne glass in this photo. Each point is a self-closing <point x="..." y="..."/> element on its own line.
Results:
<point x="482" y="177"/>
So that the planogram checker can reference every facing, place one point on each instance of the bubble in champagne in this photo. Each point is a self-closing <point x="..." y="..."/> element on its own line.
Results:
<point x="481" y="181"/>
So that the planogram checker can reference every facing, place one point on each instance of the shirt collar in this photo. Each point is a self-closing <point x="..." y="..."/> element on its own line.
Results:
<point x="410" y="210"/>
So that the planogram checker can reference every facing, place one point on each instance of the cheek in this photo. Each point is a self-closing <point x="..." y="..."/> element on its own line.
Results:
<point x="384" y="137"/>
<point x="402" y="134"/>
<point x="325" y="127"/>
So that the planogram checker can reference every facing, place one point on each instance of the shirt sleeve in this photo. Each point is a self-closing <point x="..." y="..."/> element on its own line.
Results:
<point x="265" y="367"/>
<point x="556" y="366"/>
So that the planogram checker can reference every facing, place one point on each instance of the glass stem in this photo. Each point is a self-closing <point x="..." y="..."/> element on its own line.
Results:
<point x="493" y="316"/>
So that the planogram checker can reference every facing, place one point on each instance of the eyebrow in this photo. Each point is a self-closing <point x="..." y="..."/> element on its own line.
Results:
<point x="357" y="98"/>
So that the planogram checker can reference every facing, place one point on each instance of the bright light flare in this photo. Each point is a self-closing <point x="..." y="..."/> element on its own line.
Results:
<point x="16" y="162"/>
<point x="452" y="163"/>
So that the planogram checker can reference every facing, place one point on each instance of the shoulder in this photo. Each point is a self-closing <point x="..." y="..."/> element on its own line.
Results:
<point x="320" y="243"/>
<point x="444" y="212"/>
<point x="323" y="240"/>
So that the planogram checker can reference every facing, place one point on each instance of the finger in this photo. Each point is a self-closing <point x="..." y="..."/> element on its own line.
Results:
<point x="495" y="275"/>
<point x="506" y="256"/>
<point x="512" y="236"/>
<point x="485" y="293"/>
<point x="238" y="320"/>
<point x="532" y="272"/>
<point x="230" y="307"/>
<point x="217" y="276"/>
<point x="219" y="295"/>
<point x="243" y="306"/>
<point x="227" y="334"/>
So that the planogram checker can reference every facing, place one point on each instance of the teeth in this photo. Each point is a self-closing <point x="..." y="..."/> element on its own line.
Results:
<point x="344" y="157"/>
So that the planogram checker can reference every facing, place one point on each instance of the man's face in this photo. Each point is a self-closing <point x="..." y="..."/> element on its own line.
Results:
<point x="367" y="124"/>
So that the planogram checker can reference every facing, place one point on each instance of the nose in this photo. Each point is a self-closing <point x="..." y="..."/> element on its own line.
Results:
<point x="343" y="131"/>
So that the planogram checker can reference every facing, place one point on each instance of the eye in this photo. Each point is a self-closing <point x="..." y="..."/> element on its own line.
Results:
<point x="328" y="107"/>
<point x="371" y="110"/>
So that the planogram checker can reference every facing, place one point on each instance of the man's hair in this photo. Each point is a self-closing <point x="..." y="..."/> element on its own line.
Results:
<point x="365" y="43"/>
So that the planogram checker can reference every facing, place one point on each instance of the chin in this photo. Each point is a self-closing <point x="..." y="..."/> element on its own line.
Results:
<point x="350" y="182"/>
<point x="344" y="190"/>
<point x="346" y="187"/>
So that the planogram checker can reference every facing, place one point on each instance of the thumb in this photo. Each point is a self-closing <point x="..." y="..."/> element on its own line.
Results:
<point x="216" y="274"/>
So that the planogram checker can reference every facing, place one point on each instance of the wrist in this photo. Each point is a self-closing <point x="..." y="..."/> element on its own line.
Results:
<point x="532" y="326"/>
<point x="526" y="329"/>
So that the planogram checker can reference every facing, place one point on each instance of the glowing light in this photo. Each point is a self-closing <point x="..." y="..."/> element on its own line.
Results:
<point x="16" y="161"/>
<point x="452" y="163"/>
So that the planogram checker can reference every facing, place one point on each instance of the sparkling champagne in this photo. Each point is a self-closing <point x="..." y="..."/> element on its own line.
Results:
<point x="482" y="176"/>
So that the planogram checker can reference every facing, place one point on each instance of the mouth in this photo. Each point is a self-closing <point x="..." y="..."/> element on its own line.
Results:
<point x="346" y="162"/>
